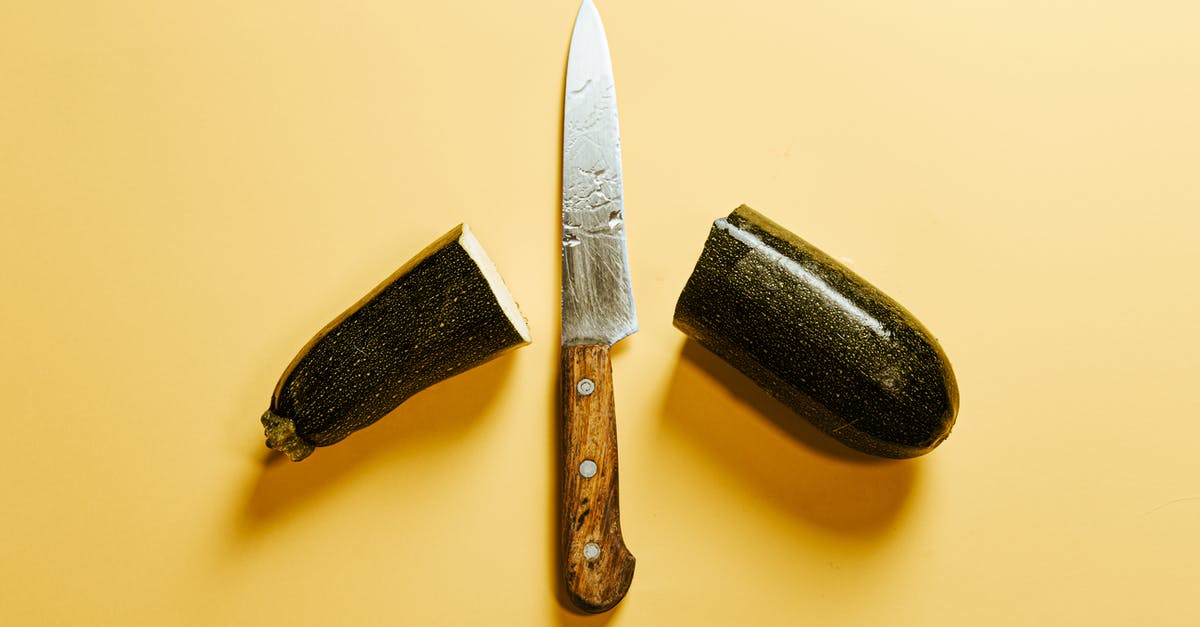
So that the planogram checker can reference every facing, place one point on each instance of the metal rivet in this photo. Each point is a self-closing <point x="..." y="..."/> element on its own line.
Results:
<point x="585" y="387"/>
<point x="591" y="550"/>
<point x="587" y="468"/>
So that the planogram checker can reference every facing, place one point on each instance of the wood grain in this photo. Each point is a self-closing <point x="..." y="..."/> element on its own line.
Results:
<point x="590" y="516"/>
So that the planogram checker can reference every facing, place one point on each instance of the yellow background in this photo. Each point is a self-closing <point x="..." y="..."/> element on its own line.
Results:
<point x="190" y="190"/>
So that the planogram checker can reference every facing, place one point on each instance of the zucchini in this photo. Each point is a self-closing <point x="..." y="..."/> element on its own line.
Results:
<point x="819" y="338"/>
<point x="444" y="312"/>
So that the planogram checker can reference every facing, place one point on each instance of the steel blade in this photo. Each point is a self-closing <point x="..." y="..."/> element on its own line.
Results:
<point x="597" y="298"/>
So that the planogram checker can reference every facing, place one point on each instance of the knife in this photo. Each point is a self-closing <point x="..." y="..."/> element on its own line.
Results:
<point x="597" y="311"/>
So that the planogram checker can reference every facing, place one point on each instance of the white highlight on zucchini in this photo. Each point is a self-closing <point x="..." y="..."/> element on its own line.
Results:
<point x="803" y="274"/>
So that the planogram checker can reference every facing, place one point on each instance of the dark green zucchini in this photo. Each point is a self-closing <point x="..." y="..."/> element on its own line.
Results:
<point x="442" y="313"/>
<point x="818" y="337"/>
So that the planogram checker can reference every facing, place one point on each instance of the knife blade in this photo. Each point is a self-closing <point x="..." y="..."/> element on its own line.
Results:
<point x="597" y="311"/>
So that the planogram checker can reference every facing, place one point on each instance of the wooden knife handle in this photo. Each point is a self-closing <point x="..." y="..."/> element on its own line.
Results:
<point x="596" y="565"/>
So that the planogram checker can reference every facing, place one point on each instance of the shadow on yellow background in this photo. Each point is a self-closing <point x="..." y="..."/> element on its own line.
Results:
<point x="781" y="455"/>
<point x="567" y="618"/>
<point x="440" y="413"/>
<point x="432" y="418"/>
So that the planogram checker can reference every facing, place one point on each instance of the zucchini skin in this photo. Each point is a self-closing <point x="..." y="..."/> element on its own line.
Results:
<point x="435" y="317"/>
<point x="819" y="338"/>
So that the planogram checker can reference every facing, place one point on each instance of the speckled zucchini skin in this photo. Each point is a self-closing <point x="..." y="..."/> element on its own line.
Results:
<point x="819" y="338"/>
<point x="434" y="318"/>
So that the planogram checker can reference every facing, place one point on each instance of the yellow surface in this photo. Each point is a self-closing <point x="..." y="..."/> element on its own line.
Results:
<point x="189" y="190"/>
